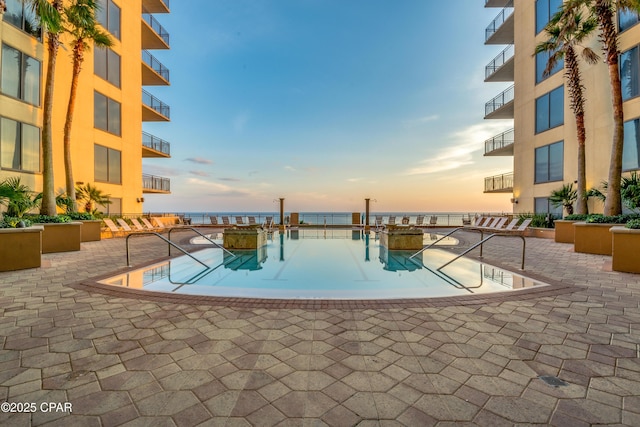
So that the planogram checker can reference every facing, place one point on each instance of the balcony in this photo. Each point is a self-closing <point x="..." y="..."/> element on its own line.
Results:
<point x="496" y="3"/>
<point x="500" y="107"/>
<point x="154" y="36"/>
<point x="154" y="110"/>
<point x="152" y="146"/>
<point x="499" y="183"/>
<point x="155" y="6"/>
<point x="501" y="29"/>
<point x="155" y="184"/>
<point x="500" y="145"/>
<point x="501" y="69"/>
<point x="153" y="72"/>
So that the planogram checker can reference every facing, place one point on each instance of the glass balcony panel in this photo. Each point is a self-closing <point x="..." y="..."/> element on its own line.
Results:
<point x="156" y="147"/>
<point x="154" y="36"/>
<point x="501" y="107"/>
<point x="155" y="110"/>
<point x="501" y="69"/>
<point x="155" y="73"/>
<point x="500" y="145"/>
<point x="499" y="183"/>
<point x="155" y="184"/>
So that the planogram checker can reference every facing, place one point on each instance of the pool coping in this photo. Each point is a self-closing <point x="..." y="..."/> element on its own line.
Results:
<point x="553" y="288"/>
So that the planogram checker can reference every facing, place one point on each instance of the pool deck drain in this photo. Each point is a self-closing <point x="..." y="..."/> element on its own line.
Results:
<point x="120" y="360"/>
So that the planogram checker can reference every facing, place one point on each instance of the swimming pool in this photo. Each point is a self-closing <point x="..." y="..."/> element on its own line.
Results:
<point x="322" y="264"/>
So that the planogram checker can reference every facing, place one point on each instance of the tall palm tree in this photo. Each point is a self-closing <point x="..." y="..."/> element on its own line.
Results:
<point x="82" y="25"/>
<point x="567" y="30"/>
<point x="49" y="13"/>
<point x="604" y="11"/>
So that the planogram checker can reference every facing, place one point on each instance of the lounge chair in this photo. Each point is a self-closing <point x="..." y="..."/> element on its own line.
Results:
<point x="521" y="229"/>
<point x="239" y="220"/>
<point x="392" y="220"/>
<point x="405" y="220"/>
<point x="495" y="225"/>
<point x="124" y="225"/>
<point x="420" y="221"/>
<point x="268" y="223"/>
<point x="225" y="220"/>
<point x="251" y="220"/>
<point x="214" y="220"/>
<point x="112" y="227"/>
<point x="150" y="226"/>
<point x="433" y="221"/>
<point x="137" y="225"/>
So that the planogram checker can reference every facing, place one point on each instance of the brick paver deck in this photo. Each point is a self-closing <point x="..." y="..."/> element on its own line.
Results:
<point x="134" y="361"/>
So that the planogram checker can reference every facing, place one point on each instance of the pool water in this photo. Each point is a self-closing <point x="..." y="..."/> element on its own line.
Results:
<point x="323" y="264"/>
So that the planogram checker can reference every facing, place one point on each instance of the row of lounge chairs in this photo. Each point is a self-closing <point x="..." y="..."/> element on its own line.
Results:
<point x="497" y="225"/>
<point x="239" y="220"/>
<point x="420" y="221"/>
<point x="124" y="228"/>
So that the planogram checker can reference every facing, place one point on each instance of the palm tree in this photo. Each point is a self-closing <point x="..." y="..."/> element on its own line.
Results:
<point x="566" y="30"/>
<point x="564" y="197"/>
<point x="92" y="196"/>
<point x="49" y="14"/>
<point x="604" y="12"/>
<point x="17" y="197"/>
<point x="82" y="25"/>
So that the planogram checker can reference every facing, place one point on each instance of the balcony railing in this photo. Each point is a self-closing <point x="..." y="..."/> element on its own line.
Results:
<point x="155" y="183"/>
<point x="155" y="26"/>
<point x="156" y="143"/>
<point x="499" y="61"/>
<point x="499" y="183"/>
<point x="499" y="142"/>
<point x="499" y="20"/>
<point x="499" y="101"/>
<point x="155" y="65"/>
<point x="155" y="104"/>
<point x="496" y="3"/>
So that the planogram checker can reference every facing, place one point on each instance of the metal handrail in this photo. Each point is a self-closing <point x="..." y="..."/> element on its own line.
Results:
<point x="152" y="233"/>
<point x="505" y="97"/>
<point x="156" y="27"/>
<point x="155" y="143"/>
<point x="155" y="65"/>
<point x="499" y="141"/>
<point x="524" y="244"/>
<point x="193" y="229"/>
<point x="499" y="61"/>
<point x="499" y="20"/>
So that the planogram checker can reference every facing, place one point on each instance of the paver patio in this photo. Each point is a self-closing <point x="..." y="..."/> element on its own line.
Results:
<point x="134" y="361"/>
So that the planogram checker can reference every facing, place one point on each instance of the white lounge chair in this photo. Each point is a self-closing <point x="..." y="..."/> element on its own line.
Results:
<point x="137" y="225"/>
<point x="251" y="220"/>
<point x="420" y="221"/>
<point x="150" y="226"/>
<point x="239" y="220"/>
<point x="225" y="220"/>
<point x="392" y="220"/>
<point x="115" y="230"/>
<point x="214" y="220"/>
<point x="405" y="220"/>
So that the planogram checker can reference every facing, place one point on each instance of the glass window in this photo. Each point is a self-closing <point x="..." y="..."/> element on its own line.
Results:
<point x="106" y="114"/>
<point x="108" y="16"/>
<point x="20" y="14"/>
<point x="542" y="59"/>
<point x="543" y="206"/>
<point x="20" y="75"/>
<point x="550" y="110"/>
<point x="545" y="9"/>
<point x="106" y="65"/>
<point x="629" y="75"/>
<point x="107" y="165"/>
<point x="631" y="150"/>
<point x="20" y="146"/>
<point x="626" y="19"/>
<point x="549" y="164"/>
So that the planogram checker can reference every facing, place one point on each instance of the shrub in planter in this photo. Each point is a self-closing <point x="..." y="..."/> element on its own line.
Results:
<point x="576" y="217"/>
<point x="633" y="224"/>
<point x="14" y="222"/>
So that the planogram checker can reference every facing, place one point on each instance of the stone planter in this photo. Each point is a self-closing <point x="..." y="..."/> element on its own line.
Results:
<point x="20" y="248"/>
<point x="61" y="237"/>
<point x="564" y="230"/>
<point x="592" y="238"/>
<point x="91" y="230"/>
<point x="244" y="238"/>
<point x="402" y="238"/>
<point x="625" y="248"/>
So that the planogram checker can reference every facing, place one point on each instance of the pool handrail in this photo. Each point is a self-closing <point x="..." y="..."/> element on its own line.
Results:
<point x="202" y="235"/>
<point x="153" y="233"/>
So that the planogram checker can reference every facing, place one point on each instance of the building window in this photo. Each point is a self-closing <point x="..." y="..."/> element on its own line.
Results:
<point x="543" y="206"/>
<point x="631" y="150"/>
<point x="106" y="64"/>
<point x="107" y="165"/>
<point x="19" y="146"/>
<point x="549" y="163"/>
<point x="542" y="59"/>
<point x="20" y="76"/>
<point x="545" y="9"/>
<point x="629" y="73"/>
<point x="627" y="19"/>
<point x="106" y="114"/>
<point x="108" y="15"/>
<point x="20" y="14"/>
<point x="550" y="110"/>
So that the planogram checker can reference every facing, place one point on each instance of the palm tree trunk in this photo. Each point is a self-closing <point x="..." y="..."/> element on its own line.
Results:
<point x="48" y="206"/>
<point x="608" y="33"/>
<point x="78" y="58"/>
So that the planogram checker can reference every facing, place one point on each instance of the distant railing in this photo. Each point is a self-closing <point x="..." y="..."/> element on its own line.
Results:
<point x="155" y="104"/>
<point x="155" y="26"/>
<point x="499" y="182"/>
<point x="499" y="141"/>
<point x="499" y="20"/>
<point x="151" y="182"/>
<point x="499" y="61"/>
<point x="156" y="143"/>
<point x="499" y="101"/>
<point x="155" y="65"/>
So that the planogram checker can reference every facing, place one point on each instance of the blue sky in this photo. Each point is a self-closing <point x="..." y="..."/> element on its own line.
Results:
<point x="326" y="102"/>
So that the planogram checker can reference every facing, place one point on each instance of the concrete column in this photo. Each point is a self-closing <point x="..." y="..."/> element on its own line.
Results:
<point x="282" y="214"/>
<point x="366" y="215"/>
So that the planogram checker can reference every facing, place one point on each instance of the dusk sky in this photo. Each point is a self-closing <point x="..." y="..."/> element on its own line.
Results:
<point x="326" y="102"/>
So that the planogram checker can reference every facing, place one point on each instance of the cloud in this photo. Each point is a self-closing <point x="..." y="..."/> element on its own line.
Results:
<point x="458" y="152"/>
<point x="161" y="171"/>
<point x="199" y="160"/>
<point x="290" y="168"/>
<point x="354" y="179"/>
<point x="229" y="179"/>
<point x="199" y="173"/>
<point x="421" y="120"/>
<point x="215" y="189"/>
<point x="240" y="121"/>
